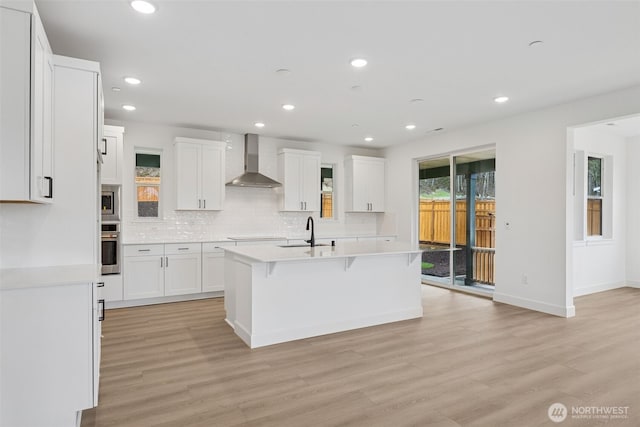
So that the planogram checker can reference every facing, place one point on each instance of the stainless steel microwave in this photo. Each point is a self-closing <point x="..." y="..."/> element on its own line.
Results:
<point x="110" y="203"/>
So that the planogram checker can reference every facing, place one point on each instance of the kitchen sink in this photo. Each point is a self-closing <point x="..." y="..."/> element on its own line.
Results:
<point x="301" y="245"/>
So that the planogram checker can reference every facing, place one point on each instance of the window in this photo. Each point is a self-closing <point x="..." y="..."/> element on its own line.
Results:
<point x="326" y="192"/>
<point x="594" y="196"/>
<point x="147" y="182"/>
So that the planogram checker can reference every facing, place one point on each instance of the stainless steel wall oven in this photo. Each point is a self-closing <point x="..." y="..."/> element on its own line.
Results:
<point x="110" y="249"/>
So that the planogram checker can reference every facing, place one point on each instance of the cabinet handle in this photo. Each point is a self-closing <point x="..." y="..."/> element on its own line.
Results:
<point x="199" y="203"/>
<point x="104" y="141"/>
<point x="161" y="262"/>
<point x="204" y="204"/>
<point x="50" y="196"/>
<point x="166" y="262"/>
<point x="100" y="284"/>
<point x="101" y="316"/>
<point x="144" y="250"/>
<point x="183" y="249"/>
<point x="305" y="206"/>
<point x="301" y="206"/>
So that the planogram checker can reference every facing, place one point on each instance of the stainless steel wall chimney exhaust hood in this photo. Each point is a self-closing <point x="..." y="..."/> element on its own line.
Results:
<point x="251" y="177"/>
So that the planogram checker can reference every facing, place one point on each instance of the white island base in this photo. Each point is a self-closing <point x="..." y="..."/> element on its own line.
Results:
<point x="274" y="294"/>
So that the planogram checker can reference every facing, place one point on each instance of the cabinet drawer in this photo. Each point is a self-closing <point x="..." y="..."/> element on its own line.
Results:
<point x="143" y="250"/>
<point x="182" y="248"/>
<point x="215" y="246"/>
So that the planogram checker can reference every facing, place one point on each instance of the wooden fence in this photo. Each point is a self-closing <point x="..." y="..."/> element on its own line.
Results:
<point x="435" y="222"/>
<point x="327" y="205"/>
<point x="594" y="217"/>
<point x="435" y="227"/>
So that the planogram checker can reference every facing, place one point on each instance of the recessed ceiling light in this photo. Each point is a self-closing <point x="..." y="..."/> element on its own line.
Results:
<point x="132" y="80"/>
<point x="259" y="124"/>
<point x="143" y="6"/>
<point x="288" y="107"/>
<point x="368" y="139"/>
<point x="115" y="89"/>
<point x="358" y="62"/>
<point x="501" y="99"/>
<point x="416" y="100"/>
<point x="128" y="107"/>
<point x="536" y="43"/>
<point x="410" y="127"/>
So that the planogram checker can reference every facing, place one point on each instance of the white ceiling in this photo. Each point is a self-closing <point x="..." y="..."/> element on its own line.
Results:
<point x="626" y="127"/>
<point x="211" y="64"/>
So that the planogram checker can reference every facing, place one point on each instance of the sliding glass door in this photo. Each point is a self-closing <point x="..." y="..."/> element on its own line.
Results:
<point x="435" y="219"/>
<point x="457" y="219"/>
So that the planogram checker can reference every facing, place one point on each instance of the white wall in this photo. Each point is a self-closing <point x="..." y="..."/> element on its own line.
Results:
<point x="533" y="159"/>
<point x="633" y="212"/>
<point x="599" y="263"/>
<point x="247" y="211"/>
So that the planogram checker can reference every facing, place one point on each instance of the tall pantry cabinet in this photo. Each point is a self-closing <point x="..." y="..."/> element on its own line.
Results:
<point x="50" y="311"/>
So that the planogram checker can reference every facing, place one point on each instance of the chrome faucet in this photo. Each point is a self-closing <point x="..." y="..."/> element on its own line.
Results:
<point x="312" y="241"/>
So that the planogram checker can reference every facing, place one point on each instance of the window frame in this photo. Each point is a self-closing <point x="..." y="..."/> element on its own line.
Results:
<point x="334" y="200"/>
<point x="601" y="197"/>
<point x="152" y="151"/>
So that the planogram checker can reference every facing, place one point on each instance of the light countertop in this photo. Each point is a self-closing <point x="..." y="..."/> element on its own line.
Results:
<point x="17" y="278"/>
<point x="234" y="239"/>
<point x="275" y="253"/>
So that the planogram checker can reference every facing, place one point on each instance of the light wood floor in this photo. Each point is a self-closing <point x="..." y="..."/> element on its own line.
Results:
<point x="467" y="362"/>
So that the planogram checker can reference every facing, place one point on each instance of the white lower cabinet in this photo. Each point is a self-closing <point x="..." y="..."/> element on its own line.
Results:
<point x="50" y="364"/>
<point x="152" y="271"/>
<point x="213" y="266"/>
<point x="143" y="271"/>
<point x="112" y="289"/>
<point x="182" y="269"/>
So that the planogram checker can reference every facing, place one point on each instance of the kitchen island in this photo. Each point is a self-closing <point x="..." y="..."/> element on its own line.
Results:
<point x="276" y="294"/>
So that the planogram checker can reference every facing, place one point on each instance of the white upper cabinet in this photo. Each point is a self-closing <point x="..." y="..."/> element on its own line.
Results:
<point x="299" y="173"/>
<point x="365" y="184"/>
<point x="199" y="174"/>
<point x="111" y="147"/>
<point x="26" y="108"/>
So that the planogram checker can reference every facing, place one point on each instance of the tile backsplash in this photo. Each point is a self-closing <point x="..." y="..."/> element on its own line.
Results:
<point x="247" y="212"/>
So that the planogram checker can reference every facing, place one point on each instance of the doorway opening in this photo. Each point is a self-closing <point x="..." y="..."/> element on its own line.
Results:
<point x="456" y="220"/>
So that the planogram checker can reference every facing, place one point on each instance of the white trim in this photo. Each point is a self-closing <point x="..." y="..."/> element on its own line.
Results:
<point x="587" y="290"/>
<point x="633" y="284"/>
<point x="289" y="334"/>
<point x="162" y="300"/>
<point x="556" y="310"/>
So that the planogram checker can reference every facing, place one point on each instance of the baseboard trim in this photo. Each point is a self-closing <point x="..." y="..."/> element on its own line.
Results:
<point x="556" y="310"/>
<point x="271" y="337"/>
<point x="162" y="300"/>
<point x="633" y="284"/>
<point x="588" y="290"/>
